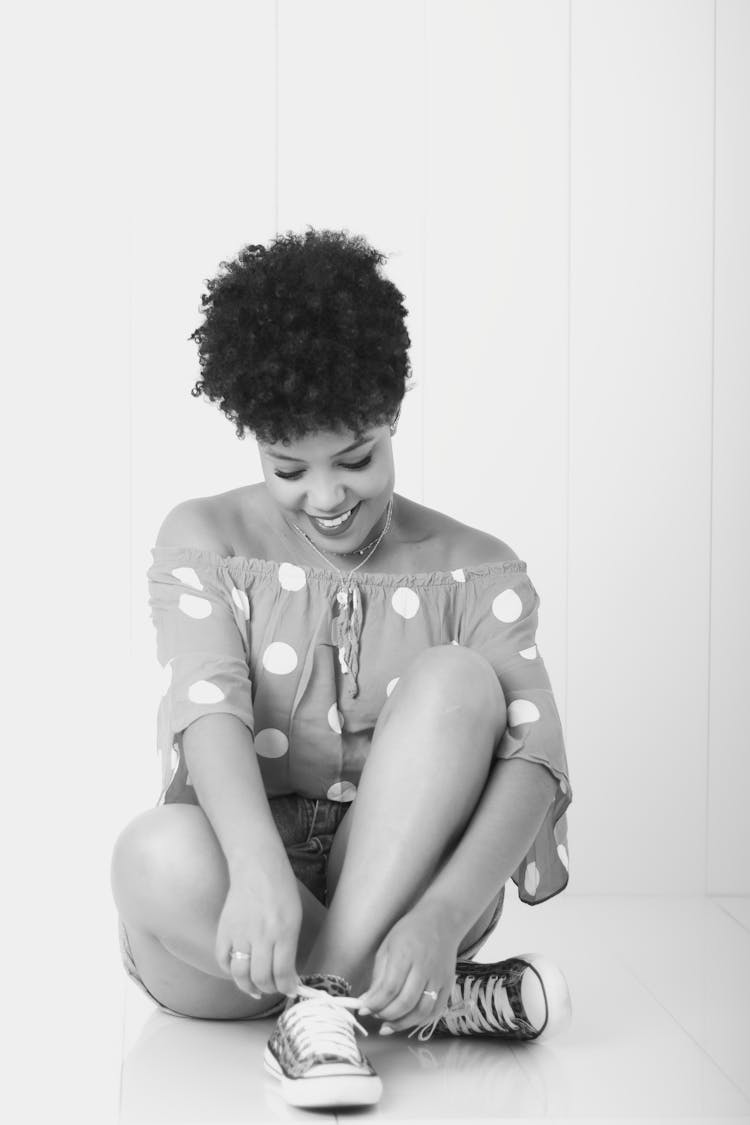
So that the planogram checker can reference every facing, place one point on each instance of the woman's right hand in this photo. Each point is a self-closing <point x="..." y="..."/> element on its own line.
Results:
<point x="262" y="916"/>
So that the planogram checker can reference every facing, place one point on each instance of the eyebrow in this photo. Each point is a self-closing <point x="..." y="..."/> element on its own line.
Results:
<point x="354" y="445"/>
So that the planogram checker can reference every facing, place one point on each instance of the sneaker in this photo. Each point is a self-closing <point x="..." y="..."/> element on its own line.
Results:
<point x="514" y="999"/>
<point x="313" y="1051"/>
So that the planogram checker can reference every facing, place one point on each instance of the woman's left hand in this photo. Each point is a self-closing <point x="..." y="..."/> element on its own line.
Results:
<point x="418" y="953"/>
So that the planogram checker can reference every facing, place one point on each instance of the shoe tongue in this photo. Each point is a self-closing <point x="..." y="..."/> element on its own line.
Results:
<point x="328" y="982"/>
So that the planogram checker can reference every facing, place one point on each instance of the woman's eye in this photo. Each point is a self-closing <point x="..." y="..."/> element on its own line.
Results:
<point x="295" y="476"/>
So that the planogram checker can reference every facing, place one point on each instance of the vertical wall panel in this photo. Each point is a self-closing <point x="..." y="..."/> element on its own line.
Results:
<point x="497" y="285"/>
<point x="351" y="154"/>
<point x="640" y="440"/>
<point x="203" y="185"/>
<point x="442" y="132"/>
<point x="729" y="775"/>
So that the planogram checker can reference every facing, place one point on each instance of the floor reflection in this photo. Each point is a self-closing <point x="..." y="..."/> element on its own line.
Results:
<point x="181" y="1070"/>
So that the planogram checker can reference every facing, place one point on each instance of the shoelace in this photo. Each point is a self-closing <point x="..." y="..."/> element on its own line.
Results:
<point x="323" y="1024"/>
<point x="471" y="1009"/>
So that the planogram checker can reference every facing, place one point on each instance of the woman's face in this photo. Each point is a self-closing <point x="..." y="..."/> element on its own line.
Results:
<point x="328" y="474"/>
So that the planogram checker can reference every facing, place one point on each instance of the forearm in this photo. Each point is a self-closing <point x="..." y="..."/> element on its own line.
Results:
<point x="220" y="756"/>
<point x="503" y="828"/>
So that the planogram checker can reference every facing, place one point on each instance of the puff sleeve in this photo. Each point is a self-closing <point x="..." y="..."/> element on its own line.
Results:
<point x="202" y="627"/>
<point x="502" y="616"/>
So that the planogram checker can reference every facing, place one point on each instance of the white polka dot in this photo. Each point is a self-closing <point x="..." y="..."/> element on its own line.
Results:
<point x="391" y="685"/>
<point x="203" y="691"/>
<point x="531" y="878"/>
<point x="188" y="577"/>
<point x="166" y="678"/>
<point x="342" y="791"/>
<point x="335" y="719"/>
<point x="280" y="658"/>
<point x="522" y="711"/>
<point x="271" y="743"/>
<point x="195" y="607"/>
<point x="563" y="785"/>
<point x="239" y="597"/>
<point x="528" y="653"/>
<point x="342" y="662"/>
<point x="562" y="851"/>
<point x="405" y="602"/>
<point x="291" y="577"/>
<point x="507" y="606"/>
<point x="459" y="575"/>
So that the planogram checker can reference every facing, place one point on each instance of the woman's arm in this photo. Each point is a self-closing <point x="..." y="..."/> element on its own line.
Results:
<point x="223" y="766"/>
<point x="505" y="823"/>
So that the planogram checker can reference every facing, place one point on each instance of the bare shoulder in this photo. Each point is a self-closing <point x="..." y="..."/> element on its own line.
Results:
<point x="194" y="523"/>
<point x="458" y="544"/>
<point x="229" y="523"/>
<point x="484" y="548"/>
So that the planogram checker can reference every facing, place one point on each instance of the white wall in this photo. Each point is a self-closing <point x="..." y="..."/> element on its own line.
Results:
<point x="562" y="189"/>
<point x="559" y="188"/>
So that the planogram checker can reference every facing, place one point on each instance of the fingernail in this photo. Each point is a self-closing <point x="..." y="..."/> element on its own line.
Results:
<point x="255" y="995"/>
<point x="385" y="1030"/>
<point x="365" y="1012"/>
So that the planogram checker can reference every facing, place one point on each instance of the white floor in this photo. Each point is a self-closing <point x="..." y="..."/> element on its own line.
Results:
<point x="660" y="1033"/>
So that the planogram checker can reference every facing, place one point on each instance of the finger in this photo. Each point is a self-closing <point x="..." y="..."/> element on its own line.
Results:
<point x="425" y="1010"/>
<point x="284" y="971"/>
<point x="389" y="982"/>
<point x="261" y="969"/>
<point x="407" y="998"/>
<point x="239" y="968"/>
<point x="376" y="980"/>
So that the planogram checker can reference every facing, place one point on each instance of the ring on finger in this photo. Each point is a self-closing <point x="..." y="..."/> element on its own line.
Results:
<point x="431" y="993"/>
<point x="240" y="954"/>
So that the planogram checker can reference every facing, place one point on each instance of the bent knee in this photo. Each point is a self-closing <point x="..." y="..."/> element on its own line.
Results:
<point x="459" y="678"/>
<point x="165" y="851"/>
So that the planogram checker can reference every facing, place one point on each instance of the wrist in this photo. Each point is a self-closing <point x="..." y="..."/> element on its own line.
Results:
<point x="266" y="859"/>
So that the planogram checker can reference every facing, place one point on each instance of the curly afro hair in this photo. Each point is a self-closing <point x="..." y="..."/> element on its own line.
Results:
<point x="304" y="335"/>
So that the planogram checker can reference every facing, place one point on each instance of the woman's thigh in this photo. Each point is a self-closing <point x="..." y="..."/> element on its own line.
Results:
<point x="182" y="990"/>
<point x="147" y="898"/>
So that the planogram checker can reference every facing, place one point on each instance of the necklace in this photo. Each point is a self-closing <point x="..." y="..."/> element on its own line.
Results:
<point x="344" y="594"/>
<point x="358" y="551"/>
<point x="350" y="617"/>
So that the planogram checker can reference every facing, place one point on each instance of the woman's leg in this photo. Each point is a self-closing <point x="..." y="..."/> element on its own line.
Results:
<point x="428" y="763"/>
<point x="170" y="882"/>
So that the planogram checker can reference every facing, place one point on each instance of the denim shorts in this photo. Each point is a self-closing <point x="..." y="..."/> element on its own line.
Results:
<point x="307" y="827"/>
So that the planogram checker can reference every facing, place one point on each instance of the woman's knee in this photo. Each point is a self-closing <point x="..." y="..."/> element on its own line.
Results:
<point x="457" y="679"/>
<point x="164" y="854"/>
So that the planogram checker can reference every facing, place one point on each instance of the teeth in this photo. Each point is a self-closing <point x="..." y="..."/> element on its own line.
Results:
<point x="336" y="522"/>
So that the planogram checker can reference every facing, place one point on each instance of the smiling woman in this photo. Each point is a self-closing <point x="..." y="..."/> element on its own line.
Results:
<point x="359" y="741"/>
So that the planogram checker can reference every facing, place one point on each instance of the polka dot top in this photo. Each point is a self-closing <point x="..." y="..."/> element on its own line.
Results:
<point x="262" y="640"/>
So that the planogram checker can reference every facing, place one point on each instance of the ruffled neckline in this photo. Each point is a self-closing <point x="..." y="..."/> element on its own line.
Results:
<point x="269" y="568"/>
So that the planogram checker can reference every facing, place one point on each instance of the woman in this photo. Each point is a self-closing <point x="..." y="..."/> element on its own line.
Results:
<point x="359" y="740"/>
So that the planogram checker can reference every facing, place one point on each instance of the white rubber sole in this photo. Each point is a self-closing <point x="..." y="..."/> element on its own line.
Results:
<point x="325" y="1090"/>
<point x="550" y="997"/>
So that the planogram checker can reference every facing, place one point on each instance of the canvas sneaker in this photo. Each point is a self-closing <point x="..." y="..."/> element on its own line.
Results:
<point x="519" y="998"/>
<point x="313" y="1051"/>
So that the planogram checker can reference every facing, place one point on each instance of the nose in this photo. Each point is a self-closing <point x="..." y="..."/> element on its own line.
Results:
<point x="326" y="500"/>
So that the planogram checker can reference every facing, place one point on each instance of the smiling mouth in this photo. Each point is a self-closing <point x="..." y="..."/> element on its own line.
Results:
<point x="335" y="521"/>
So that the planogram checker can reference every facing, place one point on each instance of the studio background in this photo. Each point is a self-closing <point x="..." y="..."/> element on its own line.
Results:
<point x="562" y="191"/>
